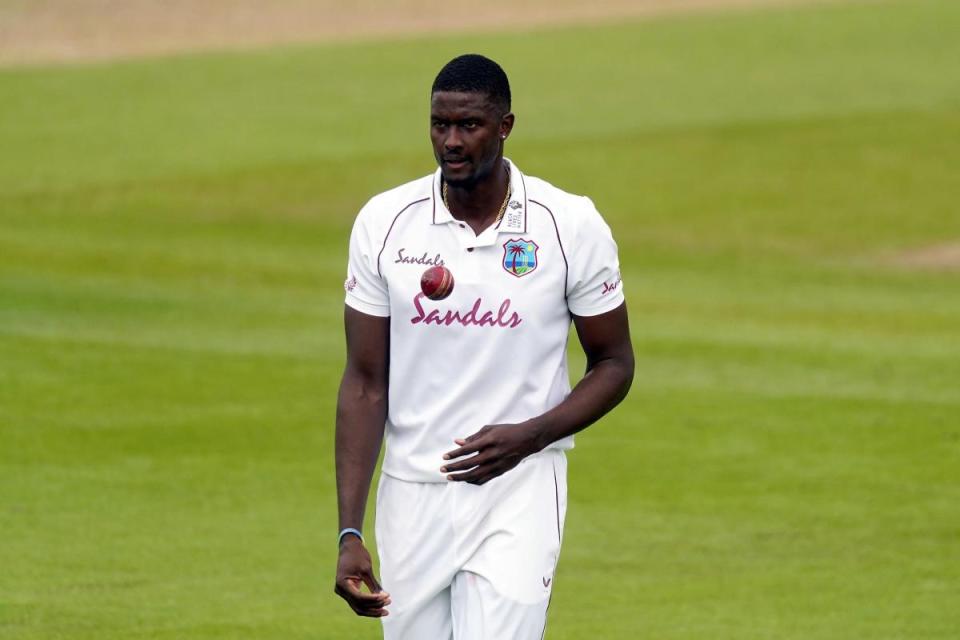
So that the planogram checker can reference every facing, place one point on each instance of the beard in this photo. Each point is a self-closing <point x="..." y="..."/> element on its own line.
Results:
<point x="464" y="182"/>
<point x="470" y="180"/>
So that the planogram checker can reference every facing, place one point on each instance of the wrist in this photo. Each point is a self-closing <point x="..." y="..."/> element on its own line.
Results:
<point x="539" y="437"/>
<point x="348" y="534"/>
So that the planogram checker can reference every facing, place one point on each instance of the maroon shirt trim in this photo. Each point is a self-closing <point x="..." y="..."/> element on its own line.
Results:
<point x="384" y="245"/>
<point x="566" y="265"/>
<point x="526" y="208"/>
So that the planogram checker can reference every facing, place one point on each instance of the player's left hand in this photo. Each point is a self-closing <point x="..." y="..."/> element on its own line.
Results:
<point x="492" y="451"/>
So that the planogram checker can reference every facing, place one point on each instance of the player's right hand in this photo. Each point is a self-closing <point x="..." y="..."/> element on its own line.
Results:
<point x="355" y="569"/>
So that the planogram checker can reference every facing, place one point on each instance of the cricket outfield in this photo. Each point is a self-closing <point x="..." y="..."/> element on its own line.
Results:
<point x="782" y="184"/>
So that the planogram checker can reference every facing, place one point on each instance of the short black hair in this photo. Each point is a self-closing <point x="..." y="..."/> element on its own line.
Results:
<point x="475" y="73"/>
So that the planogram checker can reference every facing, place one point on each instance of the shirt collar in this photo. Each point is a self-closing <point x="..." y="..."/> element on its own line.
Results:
<point x="514" y="218"/>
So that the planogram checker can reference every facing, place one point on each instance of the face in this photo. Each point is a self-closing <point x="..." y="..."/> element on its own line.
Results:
<point x="467" y="131"/>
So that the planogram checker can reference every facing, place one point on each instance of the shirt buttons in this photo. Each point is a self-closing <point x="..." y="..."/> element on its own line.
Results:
<point x="463" y="226"/>
<point x="469" y="248"/>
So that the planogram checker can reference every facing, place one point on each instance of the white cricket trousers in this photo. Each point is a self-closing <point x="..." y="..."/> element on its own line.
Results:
<point x="466" y="562"/>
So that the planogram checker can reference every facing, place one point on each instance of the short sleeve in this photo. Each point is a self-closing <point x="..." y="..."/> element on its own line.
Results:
<point x="593" y="282"/>
<point x="366" y="289"/>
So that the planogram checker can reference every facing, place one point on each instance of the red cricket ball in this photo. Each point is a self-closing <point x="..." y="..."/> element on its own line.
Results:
<point x="436" y="283"/>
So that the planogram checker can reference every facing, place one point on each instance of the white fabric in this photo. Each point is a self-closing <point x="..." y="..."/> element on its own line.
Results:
<point x="472" y="563"/>
<point x="494" y="351"/>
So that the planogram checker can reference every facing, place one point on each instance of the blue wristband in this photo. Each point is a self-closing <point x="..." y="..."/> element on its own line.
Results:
<point x="348" y="531"/>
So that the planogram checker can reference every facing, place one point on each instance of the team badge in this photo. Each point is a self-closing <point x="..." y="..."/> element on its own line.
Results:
<point x="520" y="256"/>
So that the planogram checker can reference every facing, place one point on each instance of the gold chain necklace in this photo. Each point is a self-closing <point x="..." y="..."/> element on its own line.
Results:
<point x="503" y="207"/>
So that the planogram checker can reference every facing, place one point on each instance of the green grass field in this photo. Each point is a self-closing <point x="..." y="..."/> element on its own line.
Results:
<point x="172" y="249"/>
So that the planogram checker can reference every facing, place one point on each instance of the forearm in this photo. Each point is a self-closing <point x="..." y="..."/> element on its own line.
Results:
<point x="601" y="389"/>
<point x="497" y="448"/>
<point x="361" y="416"/>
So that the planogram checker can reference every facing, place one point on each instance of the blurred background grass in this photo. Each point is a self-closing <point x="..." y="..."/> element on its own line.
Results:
<point x="172" y="247"/>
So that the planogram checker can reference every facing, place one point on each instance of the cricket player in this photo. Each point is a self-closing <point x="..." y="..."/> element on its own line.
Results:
<point x="471" y="392"/>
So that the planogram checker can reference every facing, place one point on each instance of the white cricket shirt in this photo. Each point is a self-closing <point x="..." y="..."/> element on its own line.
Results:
<point x="494" y="351"/>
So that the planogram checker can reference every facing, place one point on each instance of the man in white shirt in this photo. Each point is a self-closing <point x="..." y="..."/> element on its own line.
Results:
<point x="471" y="391"/>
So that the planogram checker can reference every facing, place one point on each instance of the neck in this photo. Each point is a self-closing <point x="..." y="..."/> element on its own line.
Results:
<point x="479" y="203"/>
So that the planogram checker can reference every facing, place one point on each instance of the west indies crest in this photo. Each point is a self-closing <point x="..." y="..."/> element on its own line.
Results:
<point x="520" y="256"/>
